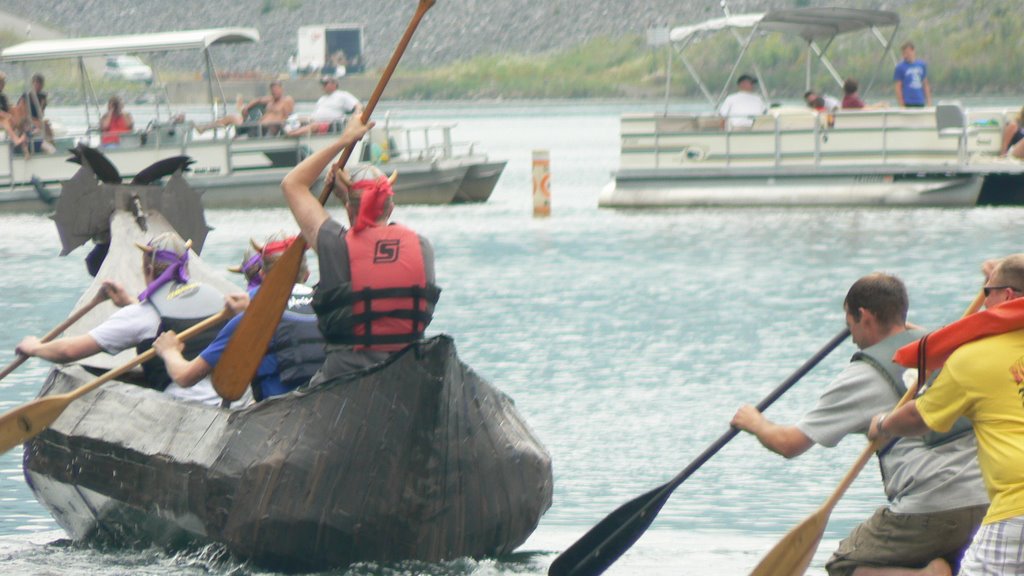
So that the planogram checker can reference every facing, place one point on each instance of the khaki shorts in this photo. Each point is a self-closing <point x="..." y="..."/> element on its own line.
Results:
<point x="907" y="540"/>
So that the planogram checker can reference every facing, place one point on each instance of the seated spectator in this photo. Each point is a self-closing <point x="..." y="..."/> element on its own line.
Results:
<point x="851" y="100"/>
<point x="35" y="102"/>
<point x="739" y="108"/>
<point x="821" y="102"/>
<point x="115" y="122"/>
<point x="1013" y="134"/>
<point x="331" y="108"/>
<point x="9" y="118"/>
<point x="276" y="108"/>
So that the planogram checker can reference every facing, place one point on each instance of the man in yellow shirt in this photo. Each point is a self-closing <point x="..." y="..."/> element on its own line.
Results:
<point x="984" y="381"/>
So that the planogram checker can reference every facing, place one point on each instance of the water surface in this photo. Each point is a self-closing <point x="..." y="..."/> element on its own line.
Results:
<point x="626" y="338"/>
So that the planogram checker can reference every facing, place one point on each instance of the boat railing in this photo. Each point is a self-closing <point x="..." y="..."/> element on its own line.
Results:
<point x="423" y="143"/>
<point x="799" y="137"/>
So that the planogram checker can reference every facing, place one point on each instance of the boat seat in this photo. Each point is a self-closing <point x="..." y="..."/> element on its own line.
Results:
<point x="951" y="122"/>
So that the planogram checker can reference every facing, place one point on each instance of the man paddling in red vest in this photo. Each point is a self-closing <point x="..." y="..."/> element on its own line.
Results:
<point x="982" y="380"/>
<point x="376" y="293"/>
<point x="936" y="497"/>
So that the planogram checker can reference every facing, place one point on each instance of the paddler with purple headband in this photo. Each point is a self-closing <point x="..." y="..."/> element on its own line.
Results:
<point x="251" y="267"/>
<point x="171" y="301"/>
<point x="386" y="266"/>
<point x="296" y="350"/>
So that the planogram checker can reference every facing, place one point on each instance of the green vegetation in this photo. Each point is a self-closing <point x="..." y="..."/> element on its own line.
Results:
<point x="598" y="68"/>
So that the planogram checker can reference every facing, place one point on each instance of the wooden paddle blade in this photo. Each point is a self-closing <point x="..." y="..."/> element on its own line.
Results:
<point x="603" y="544"/>
<point x="793" y="554"/>
<point x="24" y="422"/>
<point x="242" y="356"/>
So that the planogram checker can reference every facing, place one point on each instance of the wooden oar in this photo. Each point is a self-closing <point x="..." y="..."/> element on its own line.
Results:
<point x="100" y="297"/>
<point x="793" y="554"/>
<point x="26" y="421"/>
<point x="617" y="532"/>
<point x="241" y="358"/>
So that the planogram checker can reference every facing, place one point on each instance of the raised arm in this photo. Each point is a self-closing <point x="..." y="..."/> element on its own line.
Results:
<point x="305" y="207"/>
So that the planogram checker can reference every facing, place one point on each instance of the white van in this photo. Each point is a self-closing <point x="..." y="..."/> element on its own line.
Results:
<point x="128" y="68"/>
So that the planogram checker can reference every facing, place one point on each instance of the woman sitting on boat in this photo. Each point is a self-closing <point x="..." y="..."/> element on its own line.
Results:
<point x="386" y="268"/>
<point x="170" y="301"/>
<point x="296" y="351"/>
<point x="115" y="122"/>
<point x="1013" y="133"/>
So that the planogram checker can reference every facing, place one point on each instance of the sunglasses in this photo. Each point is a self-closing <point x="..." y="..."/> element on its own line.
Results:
<point x="989" y="289"/>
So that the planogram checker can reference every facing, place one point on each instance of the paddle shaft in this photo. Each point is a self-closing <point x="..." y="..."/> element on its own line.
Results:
<point x="148" y="355"/>
<point x="60" y="328"/>
<point x="614" y="535"/>
<point x="241" y="359"/>
<point x="28" y="420"/>
<point x="385" y="77"/>
<point x="785" y="557"/>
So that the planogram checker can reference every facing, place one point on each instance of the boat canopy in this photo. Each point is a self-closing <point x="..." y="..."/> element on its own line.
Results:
<point x="197" y="40"/>
<point x="825" y="23"/>
<point x="683" y="33"/>
<point x="818" y="27"/>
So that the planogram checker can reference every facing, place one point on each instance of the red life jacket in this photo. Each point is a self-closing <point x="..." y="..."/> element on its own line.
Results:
<point x="387" y="302"/>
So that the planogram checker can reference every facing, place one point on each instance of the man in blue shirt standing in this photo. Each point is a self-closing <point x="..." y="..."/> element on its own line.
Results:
<point x="911" y="77"/>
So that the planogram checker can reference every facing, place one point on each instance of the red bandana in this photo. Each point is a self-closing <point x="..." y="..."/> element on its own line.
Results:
<point x="371" y="204"/>
<point x="272" y="248"/>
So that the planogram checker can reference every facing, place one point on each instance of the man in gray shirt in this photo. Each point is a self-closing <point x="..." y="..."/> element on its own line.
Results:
<point x="934" y="486"/>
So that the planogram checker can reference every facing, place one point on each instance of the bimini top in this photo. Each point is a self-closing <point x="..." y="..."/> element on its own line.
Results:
<point x="682" y="33"/>
<point x="808" y="23"/>
<point x="819" y="23"/>
<point x="133" y="43"/>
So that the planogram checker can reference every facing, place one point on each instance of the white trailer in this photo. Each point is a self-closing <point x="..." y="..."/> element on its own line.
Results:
<point x="331" y="48"/>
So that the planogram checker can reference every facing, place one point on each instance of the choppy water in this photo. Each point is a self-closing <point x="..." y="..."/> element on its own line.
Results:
<point x="627" y="339"/>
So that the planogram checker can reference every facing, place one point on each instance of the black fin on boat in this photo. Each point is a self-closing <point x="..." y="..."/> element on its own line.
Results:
<point x="100" y="164"/>
<point x="163" y="168"/>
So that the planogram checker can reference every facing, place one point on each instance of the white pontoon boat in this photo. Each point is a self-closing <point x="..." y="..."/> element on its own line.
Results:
<point x="233" y="171"/>
<point x="946" y="155"/>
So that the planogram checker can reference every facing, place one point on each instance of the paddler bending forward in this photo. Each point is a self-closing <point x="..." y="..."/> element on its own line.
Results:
<point x="376" y="293"/>
<point x="983" y="381"/>
<point x="170" y="302"/>
<point x="936" y="496"/>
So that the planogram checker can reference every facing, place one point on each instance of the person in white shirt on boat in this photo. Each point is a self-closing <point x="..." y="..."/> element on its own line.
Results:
<point x="170" y="300"/>
<point x="334" y="106"/>
<point x="936" y="495"/>
<point x="739" y="108"/>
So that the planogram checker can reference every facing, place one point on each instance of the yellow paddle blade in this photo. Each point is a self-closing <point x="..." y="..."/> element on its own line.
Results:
<point x="24" y="422"/>
<point x="793" y="554"/>
<point x="242" y="356"/>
